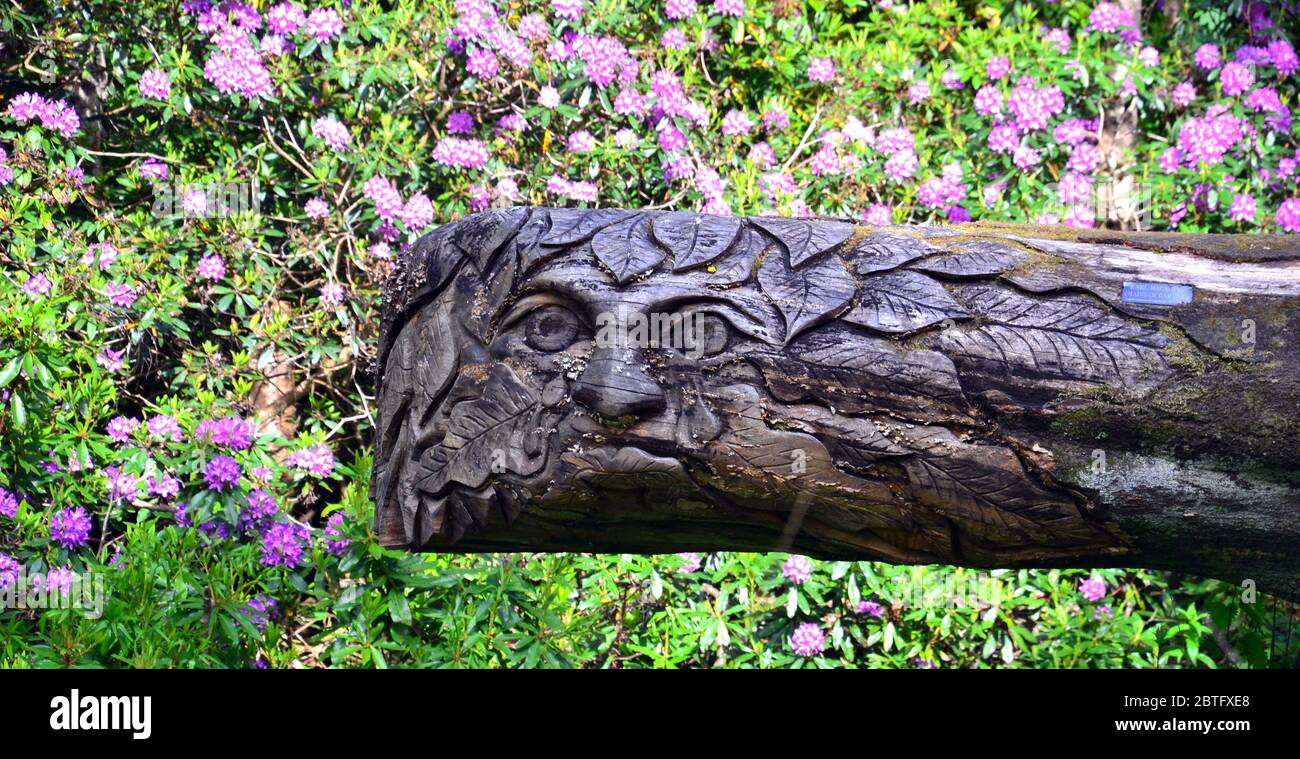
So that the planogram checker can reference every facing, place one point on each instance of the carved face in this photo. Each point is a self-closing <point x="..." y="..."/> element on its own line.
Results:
<point x="546" y="370"/>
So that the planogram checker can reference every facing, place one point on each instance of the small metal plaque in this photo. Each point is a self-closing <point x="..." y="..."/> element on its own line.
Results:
<point x="1157" y="293"/>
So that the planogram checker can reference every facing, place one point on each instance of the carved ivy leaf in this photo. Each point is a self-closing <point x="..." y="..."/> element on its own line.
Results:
<point x="570" y="226"/>
<point x="737" y="264"/>
<point x="482" y="235"/>
<point x="695" y="239"/>
<point x="626" y="249"/>
<point x="805" y="239"/>
<point x="1065" y="338"/>
<point x="903" y="301"/>
<point x="979" y="258"/>
<point x="859" y="373"/>
<point x="808" y="295"/>
<point x="880" y="252"/>
<point x="493" y="429"/>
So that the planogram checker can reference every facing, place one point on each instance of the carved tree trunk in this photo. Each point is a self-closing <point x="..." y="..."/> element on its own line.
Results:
<point x="991" y="396"/>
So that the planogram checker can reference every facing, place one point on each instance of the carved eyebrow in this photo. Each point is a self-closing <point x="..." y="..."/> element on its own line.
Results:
<point x="733" y="314"/>
<point x="531" y="303"/>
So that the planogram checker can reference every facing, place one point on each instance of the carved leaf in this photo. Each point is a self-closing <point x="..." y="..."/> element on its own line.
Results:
<point x="979" y="258"/>
<point x="983" y="488"/>
<point x="805" y="239"/>
<point x="1065" y="337"/>
<point x="807" y="295"/>
<point x="737" y="264"/>
<point x="880" y="252"/>
<point x="903" y="301"/>
<point x="695" y="239"/>
<point x="852" y="371"/>
<point x="483" y="234"/>
<point x="570" y="226"/>
<point x="494" y="429"/>
<point x="625" y="247"/>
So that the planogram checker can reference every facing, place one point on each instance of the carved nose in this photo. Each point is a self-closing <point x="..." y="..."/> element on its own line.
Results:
<point x="613" y="385"/>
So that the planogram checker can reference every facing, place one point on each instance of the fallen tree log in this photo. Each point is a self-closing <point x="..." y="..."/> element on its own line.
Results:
<point x="982" y="395"/>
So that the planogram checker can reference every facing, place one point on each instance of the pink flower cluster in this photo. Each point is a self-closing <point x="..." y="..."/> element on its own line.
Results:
<point x="53" y="114"/>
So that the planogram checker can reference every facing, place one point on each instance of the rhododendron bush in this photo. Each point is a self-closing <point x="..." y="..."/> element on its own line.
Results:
<point x="200" y="203"/>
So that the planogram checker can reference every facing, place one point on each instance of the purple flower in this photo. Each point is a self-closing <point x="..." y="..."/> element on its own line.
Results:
<point x="121" y="428"/>
<point x="878" y="214"/>
<point x="102" y="253"/>
<point x="317" y="459"/>
<point x="1207" y="57"/>
<point x="211" y="267"/>
<point x="152" y="169"/>
<point x="230" y="432"/>
<point x="1184" y="94"/>
<point x="110" y="359"/>
<point x="418" y="212"/>
<point x="1108" y="17"/>
<point x="872" y="608"/>
<point x="1288" y="215"/>
<point x="1058" y="38"/>
<point x="27" y="106"/>
<point x="460" y="122"/>
<point x="335" y="543"/>
<point x="797" y="569"/>
<point x="38" y="285"/>
<point x="164" y="487"/>
<point x="808" y="639"/>
<point x="8" y="504"/>
<point x="258" y="513"/>
<point x="155" y="84"/>
<point x="1236" y="79"/>
<point x="261" y="611"/>
<point x="70" y="528"/>
<point x="482" y="63"/>
<point x="222" y="472"/>
<point x="775" y="119"/>
<point x="581" y="141"/>
<point x="570" y="9"/>
<point x="282" y="545"/>
<point x="316" y="208"/>
<point x="918" y="93"/>
<point x="1283" y="56"/>
<point x="238" y="69"/>
<point x="762" y="155"/>
<point x="164" y="427"/>
<point x="121" y="485"/>
<point x="9" y="570"/>
<point x="1092" y="589"/>
<point x="673" y="39"/>
<point x="901" y="165"/>
<point x="285" y="18"/>
<point x="387" y="200"/>
<point x="58" y="580"/>
<point x="690" y="562"/>
<point x="997" y="67"/>
<point x="729" y="7"/>
<point x="671" y="139"/>
<point x="988" y="101"/>
<point x="324" y="23"/>
<point x="332" y="132"/>
<point x="821" y="70"/>
<point x="120" y="295"/>
<point x="461" y="153"/>
<point x="332" y="295"/>
<point x="736" y="124"/>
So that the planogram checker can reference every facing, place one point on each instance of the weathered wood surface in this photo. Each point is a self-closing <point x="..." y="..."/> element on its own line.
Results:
<point x="977" y="395"/>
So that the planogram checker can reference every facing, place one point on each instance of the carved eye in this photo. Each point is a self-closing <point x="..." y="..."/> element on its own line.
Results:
<point x="702" y="335"/>
<point x="551" y="329"/>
